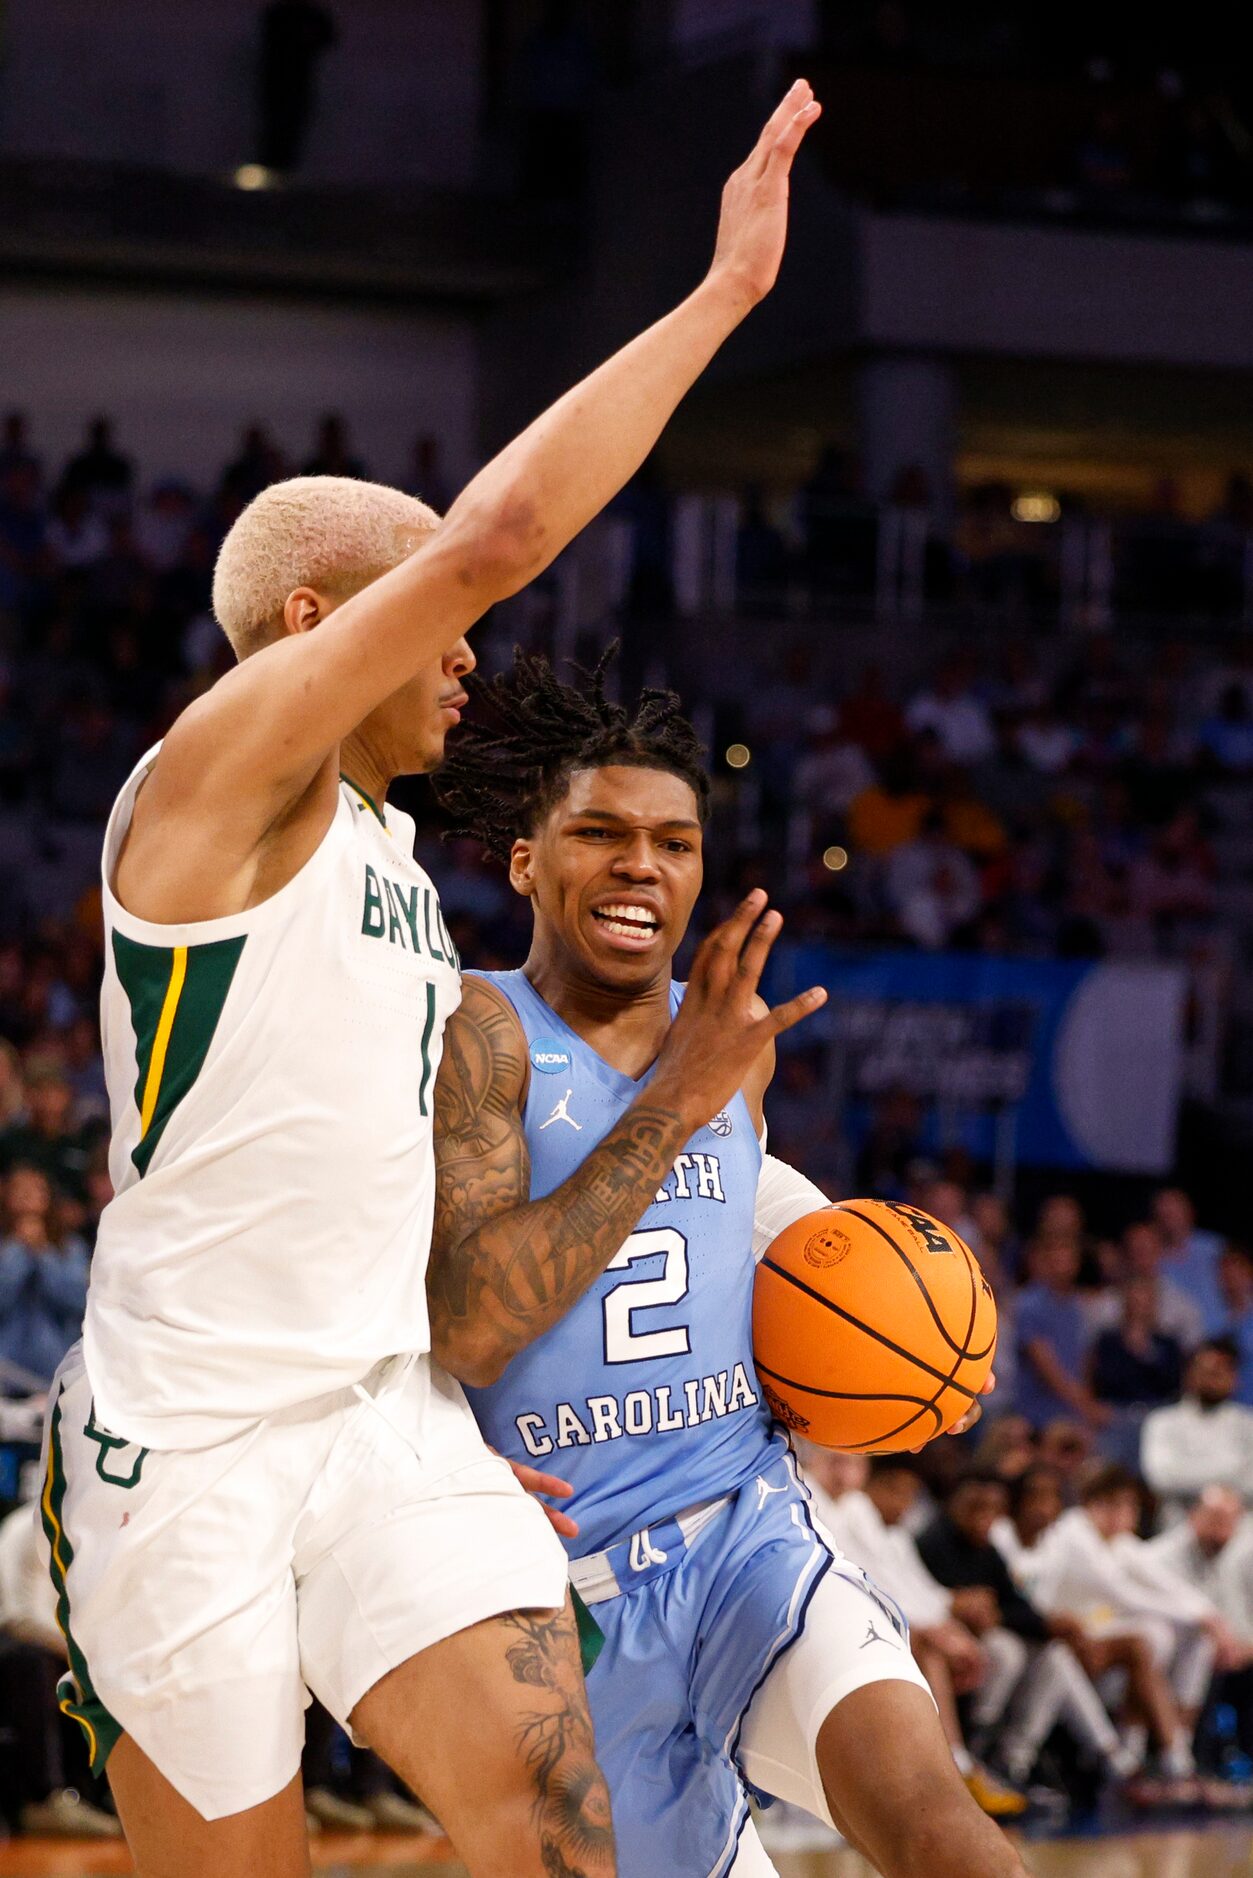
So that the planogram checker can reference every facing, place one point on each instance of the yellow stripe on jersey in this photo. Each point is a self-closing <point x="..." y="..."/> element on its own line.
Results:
<point x="161" y="1042"/>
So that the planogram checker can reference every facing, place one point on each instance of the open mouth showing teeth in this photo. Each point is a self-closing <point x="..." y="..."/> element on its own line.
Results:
<point x="627" y="921"/>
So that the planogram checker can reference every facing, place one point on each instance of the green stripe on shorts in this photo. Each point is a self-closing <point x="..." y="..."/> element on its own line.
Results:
<point x="75" y="1694"/>
<point x="591" y="1636"/>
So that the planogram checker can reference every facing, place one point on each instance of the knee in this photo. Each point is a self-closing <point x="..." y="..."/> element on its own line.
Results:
<point x="517" y="1845"/>
<point x="568" y="1830"/>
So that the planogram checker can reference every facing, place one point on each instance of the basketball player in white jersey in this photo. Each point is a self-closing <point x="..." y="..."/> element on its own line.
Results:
<point x="250" y="1452"/>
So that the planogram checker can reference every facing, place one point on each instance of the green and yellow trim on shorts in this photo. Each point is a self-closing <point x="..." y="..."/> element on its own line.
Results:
<point x="75" y="1695"/>
<point x="176" y="995"/>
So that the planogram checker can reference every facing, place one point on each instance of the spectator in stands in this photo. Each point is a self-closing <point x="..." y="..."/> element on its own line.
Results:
<point x="1189" y="1255"/>
<point x="1052" y="1687"/>
<point x="946" y="1200"/>
<point x="995" y="1241"/>
<point x="259" y="463"/>
<point x="1213" y="1551"/>
<point x="1007" y="1448"/>
<point x="41" y="1787"/>
<point x="1135" y="1366"/>
<point x="1036" y="1505"/>
<point x="1235" y="1284"/>
<point x="90" y="764"/>
<point x="968" y="821"/>
<point x="43" y="1278"/>
<point x="955" y="714"/>
<point x="1204" y="1440"/>
<point x="1176" y="1312"/>
<point x="22" y="529"/>
<point x="77" y="536"/>
<point x="1173" y="884"/>
<point x="930" y="886"/>
<point x="164" y="526"/>
<point x="47" y="1137"/>
<point x="1036" y="1501"/>
<point x="834" y="771"/>
<point x="100" y="470"/>
<point x="1052" y="1337"/>
<point x="891" y="811"/>
<point x="1090" y="1567"/>
<point x="332" y="455"/>
<point x="865" y="1510"/>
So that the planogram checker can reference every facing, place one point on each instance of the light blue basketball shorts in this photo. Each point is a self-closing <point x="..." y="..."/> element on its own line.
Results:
<point x="731" y="1632"/>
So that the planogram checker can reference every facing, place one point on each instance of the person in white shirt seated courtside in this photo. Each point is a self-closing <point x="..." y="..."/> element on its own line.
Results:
<point x="1092" y="1565"/>
<point x="1206" y="1440"/>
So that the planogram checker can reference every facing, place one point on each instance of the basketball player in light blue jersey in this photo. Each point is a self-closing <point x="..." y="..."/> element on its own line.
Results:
<point x="601" y="1192"/>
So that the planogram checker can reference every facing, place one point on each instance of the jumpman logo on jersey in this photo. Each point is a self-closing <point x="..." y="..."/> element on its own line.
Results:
<point x="764" y="1490"/>
<point x="562" y="1114"/>
<point x="872" y="1636"/>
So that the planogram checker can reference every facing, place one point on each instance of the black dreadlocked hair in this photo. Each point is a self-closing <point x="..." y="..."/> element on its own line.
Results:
<point x="512" y="763"/>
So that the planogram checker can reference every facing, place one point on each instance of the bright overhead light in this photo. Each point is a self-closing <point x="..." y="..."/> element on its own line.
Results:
<point x="1035" y="505"/>
<point x="835" y="859"/>
<point x="739" y="756"/>
<point x="254" y="176"/>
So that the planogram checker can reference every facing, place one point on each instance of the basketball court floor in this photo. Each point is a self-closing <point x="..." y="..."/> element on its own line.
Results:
<point x="1210" y="1852"/>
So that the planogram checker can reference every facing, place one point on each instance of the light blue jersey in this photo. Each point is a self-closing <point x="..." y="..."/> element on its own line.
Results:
<point x="644" y="1396"/>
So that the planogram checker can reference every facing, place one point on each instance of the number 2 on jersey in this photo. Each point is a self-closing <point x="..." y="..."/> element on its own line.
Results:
<point x="623" y="1344"/>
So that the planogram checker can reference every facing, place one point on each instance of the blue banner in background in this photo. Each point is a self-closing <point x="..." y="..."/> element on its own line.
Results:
<point x="1088" y="1055"/>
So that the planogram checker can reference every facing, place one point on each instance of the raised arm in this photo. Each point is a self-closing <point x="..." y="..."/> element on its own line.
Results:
<point x="269" y="725"/>
<point x="504" y="1268"/>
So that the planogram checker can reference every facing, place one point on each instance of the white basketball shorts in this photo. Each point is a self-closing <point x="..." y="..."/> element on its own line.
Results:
<point x="204" y="1592"/>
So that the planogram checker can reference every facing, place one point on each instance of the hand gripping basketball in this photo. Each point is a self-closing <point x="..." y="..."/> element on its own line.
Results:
<point x="722" y="1026"/>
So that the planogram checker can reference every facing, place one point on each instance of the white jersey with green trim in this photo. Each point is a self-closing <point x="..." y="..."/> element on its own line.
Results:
<point x="271" y="1079"/>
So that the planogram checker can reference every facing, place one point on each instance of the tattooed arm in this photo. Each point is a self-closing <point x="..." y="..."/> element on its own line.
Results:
<point x="504" y="1268"/>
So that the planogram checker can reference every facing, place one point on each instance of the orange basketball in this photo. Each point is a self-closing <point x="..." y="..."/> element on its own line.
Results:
<point x="873" y="1327"/>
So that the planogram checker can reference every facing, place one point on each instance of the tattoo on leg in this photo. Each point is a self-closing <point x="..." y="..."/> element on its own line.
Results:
<point x="571" y="1805"/>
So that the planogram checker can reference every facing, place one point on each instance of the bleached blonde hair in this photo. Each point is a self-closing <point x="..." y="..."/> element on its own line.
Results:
<point x="332" y="533"/>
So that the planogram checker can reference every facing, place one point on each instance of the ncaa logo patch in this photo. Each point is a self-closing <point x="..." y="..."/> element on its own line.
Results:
<point x="721" y="1124"/>
<point x="550" y="1056"/>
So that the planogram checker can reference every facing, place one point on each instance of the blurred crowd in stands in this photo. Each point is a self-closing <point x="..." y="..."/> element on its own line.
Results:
<point x="1080" y="1572"/>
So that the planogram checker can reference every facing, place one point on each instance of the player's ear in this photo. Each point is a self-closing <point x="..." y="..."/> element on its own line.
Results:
<point x="522" y="869"/>
<point x="303" y="609"/>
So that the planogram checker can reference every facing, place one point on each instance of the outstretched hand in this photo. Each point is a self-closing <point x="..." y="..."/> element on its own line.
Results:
<point x="752" y="230"/>
<point x="721" y="1028"/>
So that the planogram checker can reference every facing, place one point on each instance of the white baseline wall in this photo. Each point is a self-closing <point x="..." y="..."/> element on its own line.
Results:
<point x="182" y="376"/>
